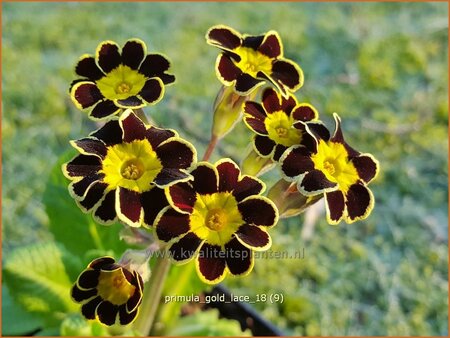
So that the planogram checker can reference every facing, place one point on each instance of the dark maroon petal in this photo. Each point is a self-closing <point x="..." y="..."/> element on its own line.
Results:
<point x="185" y="248"/>
<point x="253" y="236"/>
<point x="304" y="112"/>
<point x="126" y="317"/>
<point x="256" y="125"/>
<point x="111" y="267"/>
<point x="228" y="175"/>
<point x="88" y="309"/>
<point x="93" y="196"/>
<point x="154" y="65"/>
<point x="279" y="150"/>
<point x="106" y="211"/>
<point x="309" y="141"/>
<point x="101" y="262"/>
<point x="223" y="37"/>
<point x="130" y="277"/>
<point x="315" y="181"/>
<point x="153" y="201"/>
<point x="338" y="137"/>
<point x="285" y="74"/>
<point x="271" y="100"/>
<point x="130" y="206"/>
<point x="253" y="41"/>
<point x="104" y="109"/>
<point x="264" y="145"/>
<point x="108" y="56"/>
<point x="169" y="176"/>
<point x="257" y="211"/>
<point x="239" y="258"/>
<point x="271" y="46"/>
<point x="110" y="133"/>
<point x="287" y="105"/>
<point x="136" y="298"/>
<point x="156" y="135"/>
<point x="133" y="128"/>
<point x="88" y="279"/>
<point x="107" y="313"/>
<point x="176" y="154"/>
<point x="246" y="83"/>
<point x="152" y="91"/>
<point x="297" y="162"/>
<point x="205" y="180"/>
<point x="227" y="69"/>
<point x="131" y="102"/>
<point x="247" y="186"/>
<point x="80" y="188"/>
<point x="133" y="53"/>
<point x="79" y="295"/>
<point x="211" y="262"/>
<point x="335" y="205"/>
<point x="255" y="110"/>
<point x="87" y="67"/>
<point x="86" y="94"/>
<point x="92" y="146"/>
<point x="171" y="225"/>
<point x="182" y="196"/>
<point x="359" y="201"/>
<point x="318" y="129"/>
<point x="83" y="165"/>
<point x="366" y="166"/>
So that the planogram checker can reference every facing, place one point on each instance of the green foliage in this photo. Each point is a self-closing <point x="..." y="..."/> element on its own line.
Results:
<point x="207" y="323"/>
<point x="38" y="279"/>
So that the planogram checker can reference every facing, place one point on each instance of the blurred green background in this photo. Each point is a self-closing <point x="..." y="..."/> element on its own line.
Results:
<point x="382" y="66"/>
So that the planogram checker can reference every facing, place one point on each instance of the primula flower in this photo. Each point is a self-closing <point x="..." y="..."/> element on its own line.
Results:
<point x="248" y="61"/>
<point x="219" y="218"/>
<point x="108" y="292"/>
<point x="115" y="79"/>
<point x="274" y="122"/>
<point x="335" y="169"/>
<point x="123" y="168"/>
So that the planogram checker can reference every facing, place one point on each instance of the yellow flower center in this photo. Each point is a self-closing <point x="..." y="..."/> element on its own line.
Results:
<point x="121" y="83"/>
<point x="332" y="159"/>
<point x="280" y="129"/>
<point x="253" y="61"/>
<point x="114" y="287"/>
<point x="131" y="165"/>
<point x="215" y="217"/>
<point x="132" y="169"/>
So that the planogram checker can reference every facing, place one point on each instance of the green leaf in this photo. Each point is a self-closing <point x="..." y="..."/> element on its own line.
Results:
<point x="207" y="323"/>
<point x="16" y="321"/>
<point x="37" y="279"/>
<point x="75" y="325"/>
<point x="76" y="230"/>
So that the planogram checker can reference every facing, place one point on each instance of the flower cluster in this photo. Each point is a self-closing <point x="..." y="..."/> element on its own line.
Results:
<point x="144" y="176"/>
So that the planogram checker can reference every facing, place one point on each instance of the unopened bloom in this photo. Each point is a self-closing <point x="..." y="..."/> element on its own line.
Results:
<point x="274" y="122"/>
<point x="333" y="168"/>
<point x="124" y="167"/>
<point x="247" y="61"/>
<point x="115" y="79"/>
<point x="218" y="218"/>
<point x="108" y="292"/>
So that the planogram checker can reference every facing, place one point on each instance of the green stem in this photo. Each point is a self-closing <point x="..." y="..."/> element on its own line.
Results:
<point x="152" y="295"/>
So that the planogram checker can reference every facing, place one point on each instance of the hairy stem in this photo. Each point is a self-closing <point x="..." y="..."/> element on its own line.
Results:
<point x="212" y="144"/>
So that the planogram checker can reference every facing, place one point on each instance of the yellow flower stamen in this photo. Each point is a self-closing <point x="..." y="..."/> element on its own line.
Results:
<point x="253" y="61"/>
<point x="216" y="219"/>
<point x="121" y="83"/>
<point x="332" y="159"/>
<point x="123" y="88"/>
<point x="114" y="287"/>
<point x="132" y="169"/>
<point x="280" y="129"/>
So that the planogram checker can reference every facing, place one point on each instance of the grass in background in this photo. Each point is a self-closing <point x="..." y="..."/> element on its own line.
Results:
<point x="381" y="66"/>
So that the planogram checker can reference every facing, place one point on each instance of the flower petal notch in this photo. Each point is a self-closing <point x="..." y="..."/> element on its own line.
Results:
<point x="123" y="168"/>
<point x="274" y="123"/>
<point x="119" y="78"/>
<point x="332" y="168"/>
<point x="248" y="61"/>
<point x="219" y="218"/>
<point x="108" y="292"/>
